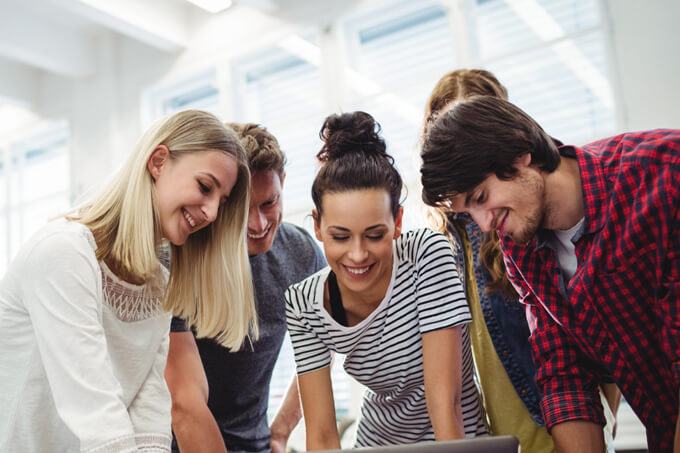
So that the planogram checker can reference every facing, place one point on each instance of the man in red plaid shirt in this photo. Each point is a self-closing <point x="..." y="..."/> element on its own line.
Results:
<point x="591" y="238"/>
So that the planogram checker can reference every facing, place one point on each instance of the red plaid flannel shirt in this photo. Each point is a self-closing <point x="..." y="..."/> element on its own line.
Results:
<point x="621" y="311"/>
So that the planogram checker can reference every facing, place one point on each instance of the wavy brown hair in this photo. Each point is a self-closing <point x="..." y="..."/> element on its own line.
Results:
<point x="263" y="150"/>
<point x="452" y="87"/>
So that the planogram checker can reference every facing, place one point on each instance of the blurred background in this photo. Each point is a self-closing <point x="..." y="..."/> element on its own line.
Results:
<point x="80" y="80"/>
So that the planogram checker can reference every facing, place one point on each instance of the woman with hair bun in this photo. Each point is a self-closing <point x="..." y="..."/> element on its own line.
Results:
<point x="84" y="309"/>
<point x="392" y="303"/>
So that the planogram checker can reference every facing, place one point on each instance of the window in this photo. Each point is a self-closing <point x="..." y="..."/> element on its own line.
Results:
<point x="199" y="91"/>
<point x="34" y="185"/>
<point x="551" y="56"/>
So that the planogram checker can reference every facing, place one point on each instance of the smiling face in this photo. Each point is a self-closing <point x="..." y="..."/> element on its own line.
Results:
<point x="265" y="210"/>
<point x="357" y="229"/>
<point x="515" y="208"/>
<point x="190" y="189"/>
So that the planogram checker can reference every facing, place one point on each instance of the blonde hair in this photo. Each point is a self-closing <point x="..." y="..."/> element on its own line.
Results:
<point x="210" y="284"/>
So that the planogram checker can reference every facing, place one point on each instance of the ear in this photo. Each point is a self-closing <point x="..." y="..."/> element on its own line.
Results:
<point x="524" y="160"/>
<point x="317" y="225"/>
<point x="283" y="178"/>
<point x="397" y="222"/>
<point x="156" y="164"/>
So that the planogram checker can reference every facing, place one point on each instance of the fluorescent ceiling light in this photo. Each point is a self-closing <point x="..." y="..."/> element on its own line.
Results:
<point x="212" y="6"/>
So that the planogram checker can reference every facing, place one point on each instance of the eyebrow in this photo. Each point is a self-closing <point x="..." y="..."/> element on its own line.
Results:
<point x="372" y="227"/>
<point x="211" y="176"/>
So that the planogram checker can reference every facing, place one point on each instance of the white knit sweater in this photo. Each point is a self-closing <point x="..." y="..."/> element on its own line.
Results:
<point x="82" y="353"/>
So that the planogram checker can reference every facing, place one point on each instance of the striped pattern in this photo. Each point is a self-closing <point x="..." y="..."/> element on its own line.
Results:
<point x="384" y="351"/>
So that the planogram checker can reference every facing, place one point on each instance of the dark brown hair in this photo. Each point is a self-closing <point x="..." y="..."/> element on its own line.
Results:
<point x="262" y="148"/>
<point x="455" y="86"/>
<point x="354" y="157"/>
<point x="475" y="138"/>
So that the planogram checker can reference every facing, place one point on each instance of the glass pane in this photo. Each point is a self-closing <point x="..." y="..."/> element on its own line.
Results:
<point x="403" y="55"/>
<point x="3" y="187"/>
<point x="15" y="228"/>
<point x="4" y="253"/>
<point x="39" y="182"/>
<point x="43" y="174"/>
<point x="204" y="97"/>
<point x="565" y="87"/>
<point x="503" y="26"/>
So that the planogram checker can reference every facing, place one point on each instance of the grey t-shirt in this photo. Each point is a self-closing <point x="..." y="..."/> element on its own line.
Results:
<point x="239" y="381"/>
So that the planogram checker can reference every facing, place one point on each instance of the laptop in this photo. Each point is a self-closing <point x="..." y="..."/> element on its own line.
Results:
<point x="493" y="444"/>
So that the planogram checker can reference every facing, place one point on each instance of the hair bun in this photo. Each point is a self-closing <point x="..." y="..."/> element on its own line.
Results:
<point x="355" y="132"/>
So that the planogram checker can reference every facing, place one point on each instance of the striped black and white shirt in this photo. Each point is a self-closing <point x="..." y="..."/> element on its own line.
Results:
<point x="384" y="351"/>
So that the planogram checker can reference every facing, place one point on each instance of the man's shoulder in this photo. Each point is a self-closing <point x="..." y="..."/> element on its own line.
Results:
<point x="294" y="240"/>
<point x="637" y="148"/>
<point x="291" y="232"/>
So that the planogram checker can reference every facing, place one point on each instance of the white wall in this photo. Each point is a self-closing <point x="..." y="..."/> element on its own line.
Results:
<point x="104" y="110"/>
<point x="646" y="39"/>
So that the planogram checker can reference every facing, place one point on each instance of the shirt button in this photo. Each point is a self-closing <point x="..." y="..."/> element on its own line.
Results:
<point x="505" y="352"/>
<point x="524" y="391"/>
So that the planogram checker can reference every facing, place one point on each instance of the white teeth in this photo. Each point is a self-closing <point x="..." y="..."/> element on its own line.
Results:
<point x="258" y="236"/>
<point x="189" y="219"/>
<point x="358" y="271"/>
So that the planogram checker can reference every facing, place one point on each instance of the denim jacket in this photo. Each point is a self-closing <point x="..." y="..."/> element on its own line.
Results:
<point x="506" y="321"/>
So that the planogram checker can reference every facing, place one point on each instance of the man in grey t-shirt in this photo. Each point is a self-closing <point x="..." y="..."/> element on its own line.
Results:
<point x="220" y="397"/>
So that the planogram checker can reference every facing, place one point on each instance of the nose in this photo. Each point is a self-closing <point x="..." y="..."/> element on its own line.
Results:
<point x="256" y="220"/>
<point x="357" y="252"/>
<point x="210" y="210"/>
<point x="483" y="218"/>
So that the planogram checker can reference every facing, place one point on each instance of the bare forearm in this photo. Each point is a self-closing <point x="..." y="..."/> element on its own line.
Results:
<point x="441" y="370"/>
<point x="287" y="417"/>
<point x="578" y="436"/>
<point x="447" y="422"/>
<point x="328" y="440"/>
<point x="197" y="431"/>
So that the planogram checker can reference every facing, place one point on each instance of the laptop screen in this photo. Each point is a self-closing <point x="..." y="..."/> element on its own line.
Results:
<point x="495" y="444"/>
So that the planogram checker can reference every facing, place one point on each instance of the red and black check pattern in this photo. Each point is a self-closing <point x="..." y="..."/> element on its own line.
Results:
<point x="621" y="311"/>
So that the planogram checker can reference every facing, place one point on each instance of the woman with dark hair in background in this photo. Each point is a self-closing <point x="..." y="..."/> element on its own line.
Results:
<point x="392" y="303"/>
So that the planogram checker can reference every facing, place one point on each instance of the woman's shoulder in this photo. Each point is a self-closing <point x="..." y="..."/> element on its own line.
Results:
<point x="60" y="247"/>
<point x="305" y="292"/>
<point x="412" y="244"/>
<point x="60" y="238"/>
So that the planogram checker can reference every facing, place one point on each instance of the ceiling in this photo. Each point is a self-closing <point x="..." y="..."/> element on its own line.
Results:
<point x="60" y="37"/>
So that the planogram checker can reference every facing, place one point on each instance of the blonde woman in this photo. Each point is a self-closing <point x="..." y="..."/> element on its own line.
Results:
<point x="84" y="308"/>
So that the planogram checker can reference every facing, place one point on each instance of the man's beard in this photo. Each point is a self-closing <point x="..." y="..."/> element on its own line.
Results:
<point x="535" y="219"/>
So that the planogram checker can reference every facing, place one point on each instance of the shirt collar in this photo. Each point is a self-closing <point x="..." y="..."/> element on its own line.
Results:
<point x="594" y="188"/>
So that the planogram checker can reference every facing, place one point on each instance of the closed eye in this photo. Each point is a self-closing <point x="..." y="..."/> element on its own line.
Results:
<point x="204" y="187"/>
